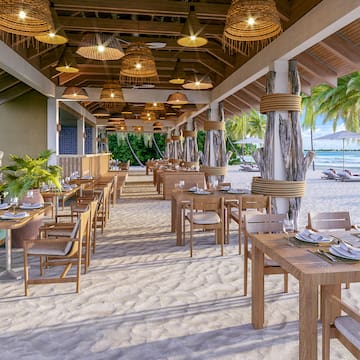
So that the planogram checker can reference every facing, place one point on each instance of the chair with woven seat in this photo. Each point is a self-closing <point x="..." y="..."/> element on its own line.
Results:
<point x="206" y="213"/>
<point x="61" y="251"/>
<point x="245" y="204"/>
<point x="263" y="223"/>
<point x="345" y="328"/>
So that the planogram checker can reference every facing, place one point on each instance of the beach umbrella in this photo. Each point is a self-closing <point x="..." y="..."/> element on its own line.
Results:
<point x="341" y="135"/>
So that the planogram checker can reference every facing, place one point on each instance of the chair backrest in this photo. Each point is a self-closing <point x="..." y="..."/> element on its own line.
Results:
<point x="256" y="202"/>
<point x="209" y="203"/>
<point x="264" y="223"/>
<point x="79" y="231"/>
<point x="329" y="220"/>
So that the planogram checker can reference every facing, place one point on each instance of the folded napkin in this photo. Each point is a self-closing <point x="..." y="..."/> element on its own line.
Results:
<point x="4" y="206"/>
<point x="19" y="215"/>
<point x="312" y="236"/>
<point x="350" y="248"/>
<point x="194" y="188"/>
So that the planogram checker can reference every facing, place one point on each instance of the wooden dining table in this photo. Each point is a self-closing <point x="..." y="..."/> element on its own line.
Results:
<point x="312" y="272"/>
<point x="8" y="226"/>
<point x="179" y="196"/>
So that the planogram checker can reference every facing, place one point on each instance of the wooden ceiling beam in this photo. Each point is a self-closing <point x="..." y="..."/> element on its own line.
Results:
<point x="14" y="92"/>
<point x="130" y="26"/>
<point x="246" y="99"/>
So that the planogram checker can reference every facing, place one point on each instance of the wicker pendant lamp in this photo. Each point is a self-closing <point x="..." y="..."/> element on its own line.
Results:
<point x="67" y="63"/>
<point x="138" y="65"/>
<point x="198" y="82"/>
<point x="75" y="93"/>
<point x="157" y="126"/>
<point x="192" y="31"/>
<point x="112" y="92"/>
<point x="126" y="110"/>
<point x="251" y="25"/>
<point x="101" y="112"/>
<point x="56" y="35"/>
<point x="28" y="18"/>
<point x="148" y="116"/>
<point x="154" y="106"/>
<point x="178" y="75"/>
<point x="177" y="98"/>
<point x="100" y="47"/>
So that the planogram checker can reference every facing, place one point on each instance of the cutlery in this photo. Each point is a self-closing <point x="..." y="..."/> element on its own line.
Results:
<point x="326" y="254"/>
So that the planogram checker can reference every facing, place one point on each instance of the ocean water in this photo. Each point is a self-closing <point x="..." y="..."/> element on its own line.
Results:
<point x="325" y="159"/>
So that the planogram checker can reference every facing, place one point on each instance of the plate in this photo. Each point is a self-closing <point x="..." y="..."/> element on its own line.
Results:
<point x="4" y="206"/>
<point x="29" y="207"/>
<point x="300" y="237"/>
<point x="202" y="192"/>
<point x="237" y="191"/>
<point x="338" y="251"/>
<point x="17" y="216"/>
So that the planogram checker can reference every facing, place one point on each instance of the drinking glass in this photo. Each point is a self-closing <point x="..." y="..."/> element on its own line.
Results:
<point x="288" y="226"/>
<point x="181" y="184"/>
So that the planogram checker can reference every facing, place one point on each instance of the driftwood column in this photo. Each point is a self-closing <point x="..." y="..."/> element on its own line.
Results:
<point x="176" y="149"/>
<point x="215" y="159"/>
<point x="281" y="160"/>
<point x="191" y="151"/>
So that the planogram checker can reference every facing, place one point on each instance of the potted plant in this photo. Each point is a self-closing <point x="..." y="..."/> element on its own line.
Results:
<point x="28" y="173"/>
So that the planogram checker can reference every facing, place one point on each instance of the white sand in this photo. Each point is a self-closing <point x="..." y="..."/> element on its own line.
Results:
<point x="144" y="298"/>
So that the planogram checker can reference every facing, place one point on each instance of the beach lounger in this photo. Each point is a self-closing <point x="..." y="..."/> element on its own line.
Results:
<point x="249" y="168"/>
<point x="347" y="175"/>
<point x="330" y="174"/>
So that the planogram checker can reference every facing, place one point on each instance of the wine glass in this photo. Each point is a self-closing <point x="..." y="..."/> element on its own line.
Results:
<point x="288" y="226"/>
<point x="14" y="202"/>
<point x="181" y="184"/>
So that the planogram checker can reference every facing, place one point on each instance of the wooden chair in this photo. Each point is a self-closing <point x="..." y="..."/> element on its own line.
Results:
<point x="336" y="220"/>
<point x="345" y="328"/>
<point x="241" y="205"/>
<point x="206" y="213"/>
<point x="263" y="223"/>
<point x="62" y="251"/>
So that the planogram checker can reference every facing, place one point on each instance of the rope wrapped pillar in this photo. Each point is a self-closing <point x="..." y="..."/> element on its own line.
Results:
<point x="215" y="157"/>
<point x="191" y="151"/>
<point x="176" y="150"/>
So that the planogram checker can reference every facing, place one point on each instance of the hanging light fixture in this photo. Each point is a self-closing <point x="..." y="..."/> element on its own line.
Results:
<point x="192" y="31"/>
<point x="56" y="35"/>
<point x="28" y="18"/>
<point x="126" y="110"/>
<point x="154" y="106"/>
<point x="251" y="25"/>
<point x="75" y="93"/>
<point x="198" y="82"/>
<point x="67" y="63"/>
<point x="101" y="112"/>
<point x="98" y="46"/>
<point x="148" y="116"/>
<point x="157" y="126"/>
<point x="138" y="65"/>
<point x="116" y="117"/>
<point x="112" y="92"/>
<point x="177" y="98"/>
<point x="178" y="75"/>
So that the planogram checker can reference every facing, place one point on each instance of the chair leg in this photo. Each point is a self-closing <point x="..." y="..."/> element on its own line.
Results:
<point x="191" y="240"/>
<point x="286" y="283"/>
<point x="222" y="240"/>
<point x="26" y="273"/>
<point x="240" y="235"/>
<point x="245" y="272"/>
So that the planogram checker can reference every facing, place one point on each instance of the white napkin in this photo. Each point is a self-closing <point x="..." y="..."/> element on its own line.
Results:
<point x="350" y="248"/>
<point x="313" y="236"/>
<point x="19" y="215"/>
<point x="4" y="206"/>
<point x="194" y="188"/>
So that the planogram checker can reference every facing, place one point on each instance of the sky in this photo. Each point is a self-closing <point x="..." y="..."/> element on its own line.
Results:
<point x="325" y="129"/>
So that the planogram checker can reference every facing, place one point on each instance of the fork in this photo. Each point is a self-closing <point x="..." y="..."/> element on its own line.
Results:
<point x="329" y="256"/>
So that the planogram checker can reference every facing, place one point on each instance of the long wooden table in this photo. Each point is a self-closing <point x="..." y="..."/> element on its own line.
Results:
<point x="9" y="225"/>
<point x="179" y="196"/>
<point x="311" y="271"/>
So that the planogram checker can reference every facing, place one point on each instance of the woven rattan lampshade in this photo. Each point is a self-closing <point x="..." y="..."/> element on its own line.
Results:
<point x="138" y="65"/>
<point x="178" y="75"/>
<point x="177" y="98"/>
<point x="157" y="126"/>
<point x="56" y="35"/>
<point x="29" y="18"/>
<point x="251" y="25"/>
<point x="100" y="47"/>
<point x="75" y="93"/>
<point x="126" y="110"/>
<point x="148" y="116"/>
<point x="112" y="92"/>
<point x="101" y="112"/>
<point x="114" y="117"/>
<point x="192" y="31"/>
<point x="67" y="62"/>
<point x="198" y="82"/>
<point x="154" y="106"/>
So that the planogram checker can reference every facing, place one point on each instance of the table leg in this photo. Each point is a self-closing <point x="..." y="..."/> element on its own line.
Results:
<point x="257" y="288"/>
<point x="9" y="274"/>
<point x="308" y="319"/>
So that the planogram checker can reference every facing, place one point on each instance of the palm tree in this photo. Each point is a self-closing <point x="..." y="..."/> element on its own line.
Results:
<point x="256" y="124"/>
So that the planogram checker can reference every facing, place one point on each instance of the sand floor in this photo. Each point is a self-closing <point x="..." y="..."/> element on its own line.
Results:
<point x="144" y="298"/>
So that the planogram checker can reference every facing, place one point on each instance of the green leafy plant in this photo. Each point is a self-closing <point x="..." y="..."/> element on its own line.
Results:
<point x="29" y="173"/>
